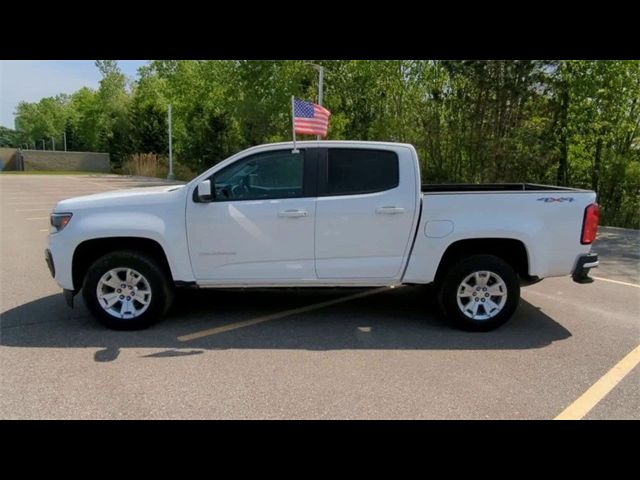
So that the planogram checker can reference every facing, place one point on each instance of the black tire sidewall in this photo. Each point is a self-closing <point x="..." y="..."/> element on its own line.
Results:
<point x="449" y="288"/>
<point x="161" y="293"/>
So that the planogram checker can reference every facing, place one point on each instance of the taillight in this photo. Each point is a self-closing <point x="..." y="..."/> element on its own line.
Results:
<point x="590" y="223"/>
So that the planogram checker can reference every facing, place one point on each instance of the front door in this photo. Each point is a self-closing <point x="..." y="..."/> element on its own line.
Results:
<point x="259" y="228"/>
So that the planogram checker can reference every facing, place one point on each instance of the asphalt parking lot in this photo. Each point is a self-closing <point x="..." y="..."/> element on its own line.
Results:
<point x="307" y="353"/>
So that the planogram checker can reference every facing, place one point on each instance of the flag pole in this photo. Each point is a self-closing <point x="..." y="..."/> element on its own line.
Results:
<point x="320" y="88"/>
<point x="293" y="123"/>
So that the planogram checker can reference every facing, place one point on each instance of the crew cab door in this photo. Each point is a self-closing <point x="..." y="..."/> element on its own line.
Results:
<point x="365" y="213"/>
<point x="259" y="226"/>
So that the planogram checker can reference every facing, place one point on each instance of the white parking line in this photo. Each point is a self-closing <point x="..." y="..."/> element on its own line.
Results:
<point x="617" y="281"/>
<point x="32" y="209"/>
<point x="53" y="193"/>
<point x="28" y="203"/>
<point x="38" y="218"/>
<point x="86" y="181"/>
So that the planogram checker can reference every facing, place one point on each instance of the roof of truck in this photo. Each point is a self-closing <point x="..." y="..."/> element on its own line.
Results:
<point x="316" y="143"/>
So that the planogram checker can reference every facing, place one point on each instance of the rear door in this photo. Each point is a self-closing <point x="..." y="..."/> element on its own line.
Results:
<point x="365" y="211"/>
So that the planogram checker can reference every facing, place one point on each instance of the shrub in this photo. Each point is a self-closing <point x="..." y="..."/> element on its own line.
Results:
<point x="153" y="165"/>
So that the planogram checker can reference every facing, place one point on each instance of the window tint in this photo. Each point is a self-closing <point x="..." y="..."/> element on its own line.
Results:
<point x="352" y="171"/>
<point x="265" y="175"/>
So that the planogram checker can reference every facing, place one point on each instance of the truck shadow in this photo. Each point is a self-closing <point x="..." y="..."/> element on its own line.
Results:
<point x="394" y="319"/>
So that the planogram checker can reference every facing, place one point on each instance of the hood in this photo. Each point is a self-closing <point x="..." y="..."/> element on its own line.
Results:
<point x="120" y="198"/>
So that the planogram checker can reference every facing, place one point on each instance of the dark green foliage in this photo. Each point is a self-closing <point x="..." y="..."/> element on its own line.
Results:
<point x="9" y="138"/>
<point x="149" y="129"/>
<point x="573" y="123"/>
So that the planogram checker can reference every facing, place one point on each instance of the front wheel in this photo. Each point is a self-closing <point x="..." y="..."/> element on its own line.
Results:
<point x="127" y="290"/>
<point x="479" y="293"/>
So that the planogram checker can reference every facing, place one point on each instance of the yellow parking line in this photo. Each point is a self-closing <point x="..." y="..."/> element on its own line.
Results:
<point x="617" y="281"/>
<point x="601" y="388"/>
<point x="275" y="316"/>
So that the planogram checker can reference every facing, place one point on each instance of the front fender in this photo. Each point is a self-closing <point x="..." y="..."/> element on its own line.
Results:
<point x="87" y="226"/>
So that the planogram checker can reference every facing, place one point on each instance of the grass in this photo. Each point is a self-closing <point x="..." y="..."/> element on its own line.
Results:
<point x="49" y="172"/>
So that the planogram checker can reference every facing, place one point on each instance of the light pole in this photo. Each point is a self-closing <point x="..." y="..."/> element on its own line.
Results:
<point x="170" y="176"/>
<point x="43" y="146"/>
<point x="64" y="136"/>
<point x="320" y="70"/>
<point x="53" y="144"/>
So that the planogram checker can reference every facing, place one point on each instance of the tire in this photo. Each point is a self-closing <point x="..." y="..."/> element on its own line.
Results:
<point x="491" y="311"/>
<point x="146" y="281"/>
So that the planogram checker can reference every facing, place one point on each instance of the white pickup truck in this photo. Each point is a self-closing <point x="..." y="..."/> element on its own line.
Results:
<point x="331" y="213"/>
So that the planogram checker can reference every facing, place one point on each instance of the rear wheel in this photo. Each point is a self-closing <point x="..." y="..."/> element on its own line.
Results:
<point x="127" y="290"/>
<point x="479" y="293"/>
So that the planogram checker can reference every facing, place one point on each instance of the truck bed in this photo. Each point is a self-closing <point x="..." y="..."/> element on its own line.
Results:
<point x="491" y="187"/>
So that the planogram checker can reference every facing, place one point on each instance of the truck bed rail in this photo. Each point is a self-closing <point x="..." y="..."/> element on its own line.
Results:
<point x="491" y="187"/>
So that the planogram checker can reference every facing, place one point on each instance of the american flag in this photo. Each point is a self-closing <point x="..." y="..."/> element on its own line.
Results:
<point x="310" y="118"/>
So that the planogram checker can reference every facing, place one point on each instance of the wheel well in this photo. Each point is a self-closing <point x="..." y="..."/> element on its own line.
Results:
<point x="90" y="250"/>
<point x="510" y="250"/>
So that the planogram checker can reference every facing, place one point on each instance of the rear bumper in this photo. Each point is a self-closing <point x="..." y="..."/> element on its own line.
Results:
<point x="585" y="263"/>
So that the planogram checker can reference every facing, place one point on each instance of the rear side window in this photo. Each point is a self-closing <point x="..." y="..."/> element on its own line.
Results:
<point x="351" y="171"/>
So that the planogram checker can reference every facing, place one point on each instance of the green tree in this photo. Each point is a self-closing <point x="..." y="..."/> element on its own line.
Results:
<point x="573" y="123"/>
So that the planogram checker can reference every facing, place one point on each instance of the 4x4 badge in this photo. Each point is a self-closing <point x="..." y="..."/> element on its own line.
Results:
<point x="554" y="199"/>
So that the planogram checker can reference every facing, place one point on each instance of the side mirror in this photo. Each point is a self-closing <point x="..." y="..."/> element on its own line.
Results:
<point x="204" y="191"/>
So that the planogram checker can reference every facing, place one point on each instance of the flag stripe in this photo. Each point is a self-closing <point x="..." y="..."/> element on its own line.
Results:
<point x="318" y="117"/>
<point x="312" y="127"/>
<point x="310" y="119"/>
<point x="312" y="122"/>
<point x="317" y="127"/>
<point x="312" y="130"/>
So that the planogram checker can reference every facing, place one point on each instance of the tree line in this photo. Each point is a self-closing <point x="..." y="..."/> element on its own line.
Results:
<point x="574" y="123"/>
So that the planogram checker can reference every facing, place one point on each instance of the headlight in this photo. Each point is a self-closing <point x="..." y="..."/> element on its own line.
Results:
<point x="59" y="221"/>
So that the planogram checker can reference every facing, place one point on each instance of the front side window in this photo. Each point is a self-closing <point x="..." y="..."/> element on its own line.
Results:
<point x="277" y="174"/>
<point x="351" y="171"/>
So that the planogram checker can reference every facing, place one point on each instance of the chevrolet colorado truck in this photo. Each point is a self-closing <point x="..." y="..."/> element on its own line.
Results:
<point x="327" y="214"/>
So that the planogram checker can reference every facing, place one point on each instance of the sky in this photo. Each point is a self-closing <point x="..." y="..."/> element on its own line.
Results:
<point x="31" y="80"/>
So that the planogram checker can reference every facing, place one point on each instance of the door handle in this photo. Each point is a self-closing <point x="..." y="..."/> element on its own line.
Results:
<point x="293" y="213"/>
<point x="390" y="210"/>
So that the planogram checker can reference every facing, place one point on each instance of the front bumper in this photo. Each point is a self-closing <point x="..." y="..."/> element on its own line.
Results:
<point x="49" y="259"/>
<point x="585" y="263"/>
<point x="68" y="294"/>
<point x="61" y="255"/>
